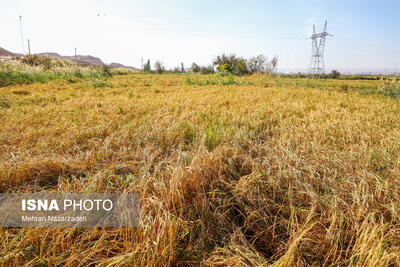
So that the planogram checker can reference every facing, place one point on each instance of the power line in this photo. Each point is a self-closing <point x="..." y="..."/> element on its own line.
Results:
<point x="217" y="31"/>
<point x="357" y="45"/>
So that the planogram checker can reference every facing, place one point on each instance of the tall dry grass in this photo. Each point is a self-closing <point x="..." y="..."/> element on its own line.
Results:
<point x="33" y="68"/>
<point x="260" y="171"/>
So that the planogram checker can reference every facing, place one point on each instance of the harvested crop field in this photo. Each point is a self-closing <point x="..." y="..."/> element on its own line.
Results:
<point x="244" y="171"/>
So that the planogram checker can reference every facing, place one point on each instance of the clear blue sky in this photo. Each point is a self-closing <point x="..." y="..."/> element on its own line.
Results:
<point x="366" y="32"/>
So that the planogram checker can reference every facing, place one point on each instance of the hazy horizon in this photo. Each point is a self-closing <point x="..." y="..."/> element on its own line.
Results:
<point x="364" y="40"/>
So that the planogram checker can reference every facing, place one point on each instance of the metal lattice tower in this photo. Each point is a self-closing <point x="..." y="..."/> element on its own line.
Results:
<point x="317" y="65"/>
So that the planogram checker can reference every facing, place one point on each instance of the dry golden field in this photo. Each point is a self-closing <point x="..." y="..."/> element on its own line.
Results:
<point x="244" y="171"/>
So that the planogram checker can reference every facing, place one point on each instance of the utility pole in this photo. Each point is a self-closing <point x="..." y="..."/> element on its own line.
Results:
<point x="75" y="54"/>
<point x="29" y="47"/>
<point x="317" y="64"/>
<point x="22" y="35"/>
<point x="142" y="67"/>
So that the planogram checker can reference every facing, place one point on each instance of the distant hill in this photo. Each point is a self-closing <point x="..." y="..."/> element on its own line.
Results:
<point x="49" y="54"/>
<point x="6" y="53"/>
<point x="84" y="60"/>
<point x="118" y="65"/>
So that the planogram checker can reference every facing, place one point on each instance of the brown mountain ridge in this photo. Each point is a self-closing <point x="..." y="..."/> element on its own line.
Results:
<point x="80" y="59"/>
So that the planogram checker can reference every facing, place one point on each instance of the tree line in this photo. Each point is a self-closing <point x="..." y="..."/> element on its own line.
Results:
<point x="225" y="64"/>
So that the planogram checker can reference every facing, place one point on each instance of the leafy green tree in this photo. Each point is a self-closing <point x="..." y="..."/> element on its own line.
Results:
<point x="272" y="66"/>
<point x="334" y="74"/>
<point x="147" y="66"/>
<point x="226" y="59"/>
<point x="241" y="67"/>
<point x="225" y="68"/>
<point x="195" y="68"/>
<point x="207" y="70"/>
<point x="159" y="67"/>
<point x="256" y="64"/>
<point x="230" y="63"/>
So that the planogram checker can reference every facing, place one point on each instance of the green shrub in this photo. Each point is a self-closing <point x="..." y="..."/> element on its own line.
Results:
<point x="195" y="68"/>
<point x="241" y="67"/>
<point x="391" y="89"/>
<point x="334" y="74"/>
<point x="100" y="84"/>
<point x="344" y="87"/>
<point x="159" y="67"/>
<point x="229" y="81"/>
<point x="213" y="132"/>
<point x="225" y="68"/>
<point x="226" y="62"/>
<point x="107" y="71"/>
<point x="35" y="60"/>
<point x="207" y="70"/>
<point x="216" y="80"/>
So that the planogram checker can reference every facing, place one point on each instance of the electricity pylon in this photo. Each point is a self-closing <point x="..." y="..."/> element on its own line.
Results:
<point x="317" y="65"/>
